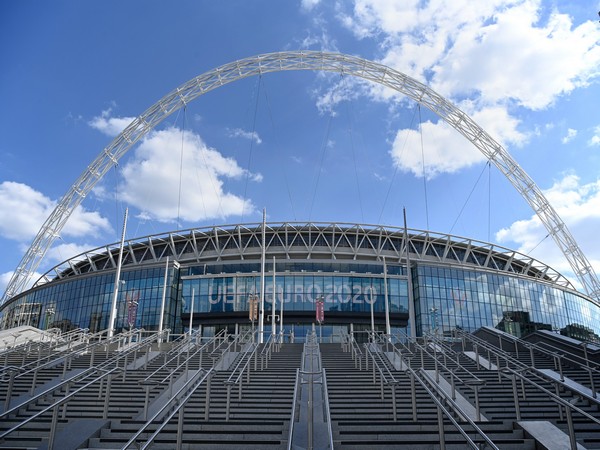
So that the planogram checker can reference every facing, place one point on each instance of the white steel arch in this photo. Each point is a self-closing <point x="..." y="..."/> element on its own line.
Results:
<point x="314" y="61"/>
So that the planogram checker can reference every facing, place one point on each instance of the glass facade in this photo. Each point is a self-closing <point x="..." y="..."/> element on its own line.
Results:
<point x="86" y="302"/>
<point x="448" y="298"/>
<point x="297" y="292"/>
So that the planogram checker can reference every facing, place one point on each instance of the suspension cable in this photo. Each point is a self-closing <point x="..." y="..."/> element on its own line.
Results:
<point x="350" y="132"/>
<point x="249" y="164"/>
<point x="423" y="166"/>
<point x="468" y="198"/>
<point x="276" y="136"/>
<point x="181" y="167"/>
<point x="320" y="167"/>
<point x="387" y="194"/>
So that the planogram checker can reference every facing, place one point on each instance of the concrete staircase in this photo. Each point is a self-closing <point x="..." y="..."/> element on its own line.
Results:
<point x="105" y="415"/>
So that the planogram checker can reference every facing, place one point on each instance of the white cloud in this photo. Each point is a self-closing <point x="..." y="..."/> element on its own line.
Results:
<point x="578" y="205"/>
<point x="595" y="139"/>
<point x="6" y="276"/>
<point x="111" y="126"/>
<point x="571" y="133"/>
<point x="467" y="52"/>
<point x="23" y="210"/>
<point x="445" y="150"/>
<point x="308" y="5"/>
<point x="552" y="59"/>
<point x="250" y="135"/>
<point x="152" y="179"/>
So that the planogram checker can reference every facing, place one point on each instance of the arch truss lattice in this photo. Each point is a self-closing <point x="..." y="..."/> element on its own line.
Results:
<point x="312" y="61"/>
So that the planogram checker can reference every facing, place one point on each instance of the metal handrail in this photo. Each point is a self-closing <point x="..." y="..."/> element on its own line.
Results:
<point x="356" y="352"/>
<point x="181" y="396"/>
<point x="246" y="360"/>
<point x="80" y="376"/>
<point x="239" y="338"/>
<point x="569" y="407"/>
<point x="327" y="410"/>
<point x="294" y="410"/>
<point x="448" y="414"/>
<point x="85" y="374"/>
<point x="238" y="372"/>
<point x="523" y="368"/>
<point x="501" y="353"/>
<point x="167" y="362"/>
<point x="58" y="402"/>
<point x="583" y="362"/>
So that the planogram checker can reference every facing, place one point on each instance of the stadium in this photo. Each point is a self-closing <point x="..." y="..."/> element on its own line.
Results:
<point x="360" y="273"/>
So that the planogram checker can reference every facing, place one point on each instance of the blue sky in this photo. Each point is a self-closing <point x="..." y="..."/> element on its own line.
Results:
<point x="305" y="146"/>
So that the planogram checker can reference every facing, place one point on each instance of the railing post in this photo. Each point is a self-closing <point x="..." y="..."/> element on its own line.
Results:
<point x="180" y="427"/>
<point x="441" y="428"/>
<point x="477" y="408"/>
<point x="592" y="384"/>
<point x="53" y="427"/>
<point x="413" y="394"/>
<point x="532" y="356"/>
<point x="227" y="404"/>
<point x="146" y="402"/>
<point x="207" y="402"/>
<point x="11" y="382"/>
<point x="572" y="440"/>
<point x="560" y="408"/>
<point x="107" y="396"/>
<point x="64" y="410"/>
<point x="560" y="368"/>
<point x="394" y="403"/>
<point x="516" y="396"/>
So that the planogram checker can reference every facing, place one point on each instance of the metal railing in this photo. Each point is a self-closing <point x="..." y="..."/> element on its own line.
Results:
<point x="54" y="407"/>
<point x="375" y="350"/>
<point x="175" y="405"/>
<point x="569" y="406"/>
<point x="306" y="408"/>
<point x="443" y="412"/>
<point x="237" y="374"/>
<point x="110" y="366"/>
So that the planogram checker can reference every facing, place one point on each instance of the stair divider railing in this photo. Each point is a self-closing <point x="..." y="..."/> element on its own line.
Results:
<point x="239" y="340"/>
<point x="310" y="374"/>
<point x="525" y="374"/>
<point x="175" y="405"/>
<point x="421" y="377"/>
<point x="112" y="363"/>
<point x="568" y="405"/>
<point x="46" y="342"/>
<point x="457" y="373"/>
<point x="266" y="353"/>
<point x="45" y="352"/>
<point x="237" y="373"/>
<point x="63" y="401"/>
<point x="560" y="357"/>
<point x="386" y="377"/>
<point x="349" y="344"/>
<point x="157" y="378"/>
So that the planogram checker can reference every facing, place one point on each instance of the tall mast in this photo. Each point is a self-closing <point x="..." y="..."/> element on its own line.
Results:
<point x="113" y="308"/>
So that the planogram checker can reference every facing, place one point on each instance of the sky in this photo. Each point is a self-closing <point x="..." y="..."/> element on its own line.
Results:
<point x="303" y="146"/>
